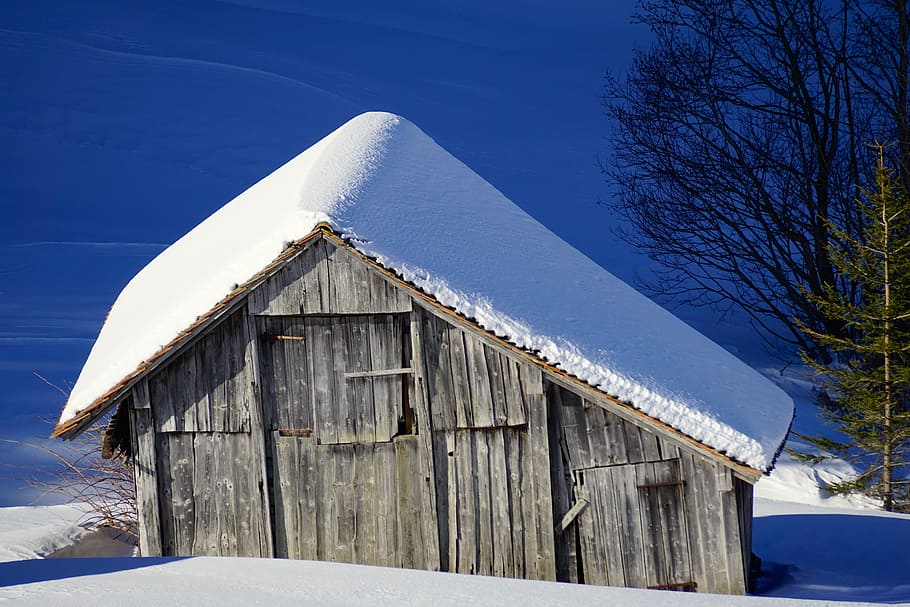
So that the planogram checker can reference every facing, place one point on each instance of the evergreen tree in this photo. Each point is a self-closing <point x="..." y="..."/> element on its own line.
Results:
<point x="868" y="381"/>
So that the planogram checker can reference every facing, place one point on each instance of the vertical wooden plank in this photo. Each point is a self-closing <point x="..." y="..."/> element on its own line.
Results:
<point x="461" y="380"/>
<point x="516" y="406"/>
<point x="672" y="522"/>
<point x="736" y="577"/>
<point x="160" y="388"/>
<point x="576" y="427"/>
<point x="208" y="410"/>
<point x="495" y="377"/>
<point x="456" y="546"/>
<point x="325" y="499"/>
<point x="479" y="377"/>
<point x="345" y="523"/>
<point x="317" y="296"/>
<point x="441" y="461"/>
<point x="422" y="425"/>
<point x="592" y="485"/>
<point x="206" y="542"/>
<point x="182" y="464"/>
<point x="632" y="533"/>
<point x="306" y="502"/>
<point x="744" y="506"/>
<point x="467" y="503"/>
<point x="562" y="484"/>
<point x="225" y="490"/>
<point x="610" y="530"/>
<point x="437" y="370"/>
<point x="409" y="488"/>
<point x="514" y="441"/>
<point x="655" y="557"/>
<point x="346" y="296"/>
<point x="596" y="421"/>
<point x="695" y="522"/>
<point x="363" y="492"/>
<point x="616" y="439"/>
<point x="321" y="353"/>
<point x="634" y="447"/>
<point x="649" y="445"/>
<point x="484" y="514"/>
<point x="541" y="494"/>
<point x="285" y="496"/>
<point x="261" y="508"/>
<point x="146" y="471"/>
<point x="500" y="505"/>
<point x="166" y="495"/>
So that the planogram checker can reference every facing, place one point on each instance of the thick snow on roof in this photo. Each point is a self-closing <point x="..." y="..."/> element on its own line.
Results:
<point x="404" y="200"/>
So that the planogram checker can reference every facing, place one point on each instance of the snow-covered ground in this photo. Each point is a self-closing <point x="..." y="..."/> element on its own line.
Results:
<point x="277" y="583"/>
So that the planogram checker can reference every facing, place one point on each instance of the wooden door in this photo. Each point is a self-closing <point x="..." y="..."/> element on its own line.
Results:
<point x="341" y="379"/>
<point x="634" y="532"/>
<point x="348" y="481"/>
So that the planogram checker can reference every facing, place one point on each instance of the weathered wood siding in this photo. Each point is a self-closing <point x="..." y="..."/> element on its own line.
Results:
<point x="333" y="416"/>
<point x="491" y="453"/>
<point x="658" y="514"/>
<point x="207" y="455"/>
<point x="343" y="378"/>
<point x="208" y="387"/>
<point x="325" y="279"/>
<point x="361" y="503"/>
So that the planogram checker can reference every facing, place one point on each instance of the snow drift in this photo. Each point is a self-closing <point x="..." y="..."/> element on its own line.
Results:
<point x="402" y="199"/>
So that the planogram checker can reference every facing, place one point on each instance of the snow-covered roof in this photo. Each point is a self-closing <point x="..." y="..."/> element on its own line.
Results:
<point x="405" y="201"/>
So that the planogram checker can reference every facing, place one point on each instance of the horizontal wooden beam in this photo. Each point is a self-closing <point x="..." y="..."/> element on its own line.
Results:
<point x="379" y="373"/>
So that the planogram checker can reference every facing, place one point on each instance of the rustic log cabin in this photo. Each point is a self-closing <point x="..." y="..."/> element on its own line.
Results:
<point x="354" y="394"/>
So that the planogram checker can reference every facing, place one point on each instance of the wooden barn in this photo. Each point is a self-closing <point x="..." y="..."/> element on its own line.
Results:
<point x="333" y="407"/>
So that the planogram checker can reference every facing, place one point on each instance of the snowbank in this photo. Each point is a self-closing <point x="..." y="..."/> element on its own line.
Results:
<point x="230" y="581"/>
<point x="404" y="200"/>
<point x="30" y="532"/>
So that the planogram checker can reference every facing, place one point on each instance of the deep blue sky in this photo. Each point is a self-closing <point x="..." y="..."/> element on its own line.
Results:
<point x="123" y="124"/>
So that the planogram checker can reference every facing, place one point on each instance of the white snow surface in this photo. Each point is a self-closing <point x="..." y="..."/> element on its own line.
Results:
<point x="398" y="196"/>
<point x="29" y="532"/>
<point x="226" y="582"/>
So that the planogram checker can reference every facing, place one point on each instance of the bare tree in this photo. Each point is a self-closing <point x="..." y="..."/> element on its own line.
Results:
<point x="737" y="145"/>
<point x="89" y="470"/>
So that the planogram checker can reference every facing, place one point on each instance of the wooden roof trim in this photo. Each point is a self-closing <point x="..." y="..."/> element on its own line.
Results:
<point x="622" y="408"/>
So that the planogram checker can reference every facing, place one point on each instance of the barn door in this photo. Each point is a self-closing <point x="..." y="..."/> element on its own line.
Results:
<point x="347" y="480"/>
<point x="634" y="531"/>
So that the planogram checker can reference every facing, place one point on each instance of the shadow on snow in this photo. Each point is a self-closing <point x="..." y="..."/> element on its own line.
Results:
<point x="842" y="557"/>
<point x="45" y="570"/>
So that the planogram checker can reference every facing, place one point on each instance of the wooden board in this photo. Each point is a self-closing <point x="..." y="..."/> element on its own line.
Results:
<point x="325" y="279"/>
<point x="146" y="471"/>
<point x="209" y="386"/>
